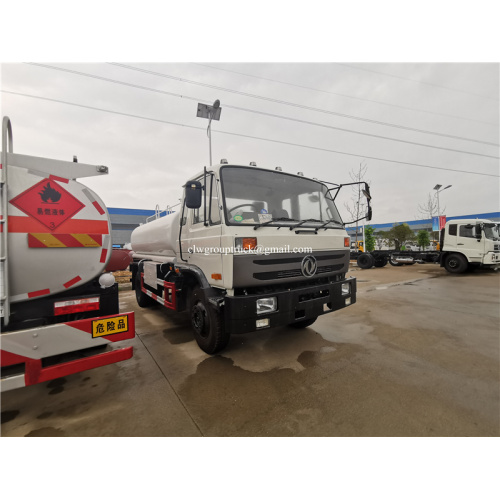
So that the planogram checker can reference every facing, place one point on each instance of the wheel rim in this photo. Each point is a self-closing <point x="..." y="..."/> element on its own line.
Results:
<point x="453" y="263"/>
<point x="199" y="319"/>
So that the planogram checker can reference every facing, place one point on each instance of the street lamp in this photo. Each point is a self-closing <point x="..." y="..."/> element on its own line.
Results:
<point x="212" y="113"/>
<point x="438" y="190"/>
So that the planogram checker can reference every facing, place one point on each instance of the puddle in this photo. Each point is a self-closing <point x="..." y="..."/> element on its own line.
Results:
<point x="354" y="333"/>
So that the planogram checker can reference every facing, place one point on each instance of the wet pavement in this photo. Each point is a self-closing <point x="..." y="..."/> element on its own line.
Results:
<point x="417" y="355"/>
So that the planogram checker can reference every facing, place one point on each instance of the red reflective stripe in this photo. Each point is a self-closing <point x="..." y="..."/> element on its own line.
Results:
<point x="18" y="224"/>
<point x="68" y="240"/>
<point x="38" y="293"/>
<point x="98" y="207"/>
<point x="60" y="179"/>
<point x="103" y="255"/>
<point x="35" y="242"/>
<point x="76" y="279"/>
<point x="35" y="374"/>
<point x="9" y="358"/>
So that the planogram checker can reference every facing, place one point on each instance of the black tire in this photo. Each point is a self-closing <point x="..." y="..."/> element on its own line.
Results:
<point x="208" y="324"/>
<point x="143" y="300"/>
<point x="455" y="263"/>
<point x="304" y="323"/>
<point x="381" y="261"/>
<point x="365" y="261"/>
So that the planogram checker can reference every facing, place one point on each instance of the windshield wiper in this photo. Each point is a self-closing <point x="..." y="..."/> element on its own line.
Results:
<point x="273" y="220"/>
<point x="328" y="222"/>
<point x="304" y="222"/>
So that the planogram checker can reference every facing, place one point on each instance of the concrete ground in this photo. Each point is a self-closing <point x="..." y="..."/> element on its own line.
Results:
<point x="417" y="355"/>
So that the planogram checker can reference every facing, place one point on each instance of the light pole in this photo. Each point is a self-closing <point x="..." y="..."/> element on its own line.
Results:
<point x="212" y="113"/>
<point x="438" y="190"/>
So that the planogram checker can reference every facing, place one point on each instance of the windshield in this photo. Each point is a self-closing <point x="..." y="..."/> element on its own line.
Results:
<point x="491" y="232"/>
<point x="255" y="196"/>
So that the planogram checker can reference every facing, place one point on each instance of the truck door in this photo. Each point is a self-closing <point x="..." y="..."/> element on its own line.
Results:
<point x="468" y="243"/>
<point x="201" y="243"/>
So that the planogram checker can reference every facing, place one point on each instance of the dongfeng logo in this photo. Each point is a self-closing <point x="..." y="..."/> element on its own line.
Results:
<point x="309" y="266"/>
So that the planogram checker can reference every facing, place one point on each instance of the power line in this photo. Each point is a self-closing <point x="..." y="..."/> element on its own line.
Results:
<point x="261" y="112"/>
<point x="345" y="95"/>
<point x="301" y="106"/>
<point x="417" y="81"/>
<point x="248" y="136"/>
<point x="364" y="133"/>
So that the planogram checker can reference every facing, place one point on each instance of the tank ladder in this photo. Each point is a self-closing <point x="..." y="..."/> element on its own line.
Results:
<point x="4" y="222"/>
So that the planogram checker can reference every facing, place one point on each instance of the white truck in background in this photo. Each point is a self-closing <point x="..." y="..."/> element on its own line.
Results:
<point x="249" y="249"/>
<point x="464" y="244"/>
<point x="59" y="311"/>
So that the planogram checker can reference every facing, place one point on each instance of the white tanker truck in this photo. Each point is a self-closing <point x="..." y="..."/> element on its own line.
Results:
<point x="249" y="249"/>
<point x="59" y="313"/>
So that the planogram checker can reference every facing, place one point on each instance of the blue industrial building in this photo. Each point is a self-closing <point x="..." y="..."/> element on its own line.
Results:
<point x="417" y="225"/>
<point x="125" y="220"/>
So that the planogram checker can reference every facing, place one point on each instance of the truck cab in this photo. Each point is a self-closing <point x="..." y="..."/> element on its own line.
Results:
<point x="251" y="248"/>
<point x="470" y="243"/>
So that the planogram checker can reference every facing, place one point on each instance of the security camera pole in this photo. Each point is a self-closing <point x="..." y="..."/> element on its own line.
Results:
<point x="212" y="113"/>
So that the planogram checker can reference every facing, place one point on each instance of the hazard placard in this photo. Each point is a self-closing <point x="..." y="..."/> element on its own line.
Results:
<point x="48" y="203"/>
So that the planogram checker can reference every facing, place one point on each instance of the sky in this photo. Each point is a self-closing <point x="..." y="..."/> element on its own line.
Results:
<point x="413" y="125"/>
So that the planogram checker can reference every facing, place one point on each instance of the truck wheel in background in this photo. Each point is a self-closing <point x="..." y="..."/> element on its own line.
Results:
<point x="304" y="323"/>
<point x="381" y="261"/>
<point x="365" y="261"/>
<point x="207" y="324"/>
<point x="394" y="263"/>
<point x="142" y="299"/>
<point x="455" y="263"/>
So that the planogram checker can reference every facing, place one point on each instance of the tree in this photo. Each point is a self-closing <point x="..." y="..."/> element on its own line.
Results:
<point x="355" y="206"/>
<point x="369" y="239"/>
<point x="428" y="209"/>
<point x="423" y="239"/>
<point x="397" y="235"/>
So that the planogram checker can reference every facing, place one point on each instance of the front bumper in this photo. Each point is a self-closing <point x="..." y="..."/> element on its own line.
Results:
<point x="240" y="313"/>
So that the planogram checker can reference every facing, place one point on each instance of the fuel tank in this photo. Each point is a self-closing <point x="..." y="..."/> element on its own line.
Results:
<point x="158" y="237"/>
<point x="58" y="234"/>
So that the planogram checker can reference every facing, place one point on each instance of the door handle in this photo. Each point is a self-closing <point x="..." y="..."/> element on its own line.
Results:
<point x="460" y="244"/>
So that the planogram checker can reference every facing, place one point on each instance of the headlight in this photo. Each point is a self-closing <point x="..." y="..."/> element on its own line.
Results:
<point x="241" y="244"/>
<point x="266" y="305"/>
<point x="346" y="288"/>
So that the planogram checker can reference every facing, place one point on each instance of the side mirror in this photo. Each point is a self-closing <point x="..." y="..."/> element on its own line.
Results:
<point x="369" y="214"/>
<point x="478" y="231"/>
<point x="192" y="194"/>
<point x="366" y="192"/>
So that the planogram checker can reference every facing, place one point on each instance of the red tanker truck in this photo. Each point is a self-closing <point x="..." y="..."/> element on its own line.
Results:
<point x="59" y="309"/>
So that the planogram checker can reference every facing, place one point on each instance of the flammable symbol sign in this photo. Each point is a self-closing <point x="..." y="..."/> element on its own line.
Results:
<point x="48" y="203"/>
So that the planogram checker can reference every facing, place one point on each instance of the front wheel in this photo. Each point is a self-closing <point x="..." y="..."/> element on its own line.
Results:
<point x="304" y="323"/>
<point x="208" y="325"/>
<point x="455" y="263"/>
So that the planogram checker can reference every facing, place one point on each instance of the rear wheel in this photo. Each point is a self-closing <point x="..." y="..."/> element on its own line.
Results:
<point x="365" y="261"/>
<point x="208" y="325"/>
<point x="455" y="263"/>
<point x="381" y="261"/>
<point x="304" y="323"/>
